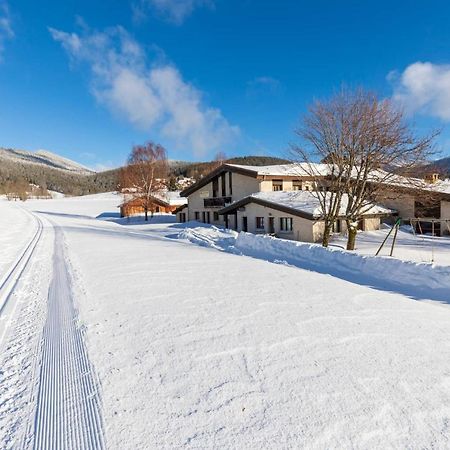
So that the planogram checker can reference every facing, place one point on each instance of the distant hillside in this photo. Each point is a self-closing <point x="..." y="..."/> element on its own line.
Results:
<point x="442" y="166"/>
<point x="59" y="174"/>
<point x="53" y="172"/>
<point x="42" y="158"/>
<point x="199" y="169"/>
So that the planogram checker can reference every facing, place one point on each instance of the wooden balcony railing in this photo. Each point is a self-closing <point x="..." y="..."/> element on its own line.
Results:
<point x="216" y="202"/>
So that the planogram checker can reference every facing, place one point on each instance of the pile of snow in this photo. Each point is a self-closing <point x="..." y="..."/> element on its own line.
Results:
<point x="209" y="236"/>
<point x="391" y="272"/>
<point x="378" y="271"/>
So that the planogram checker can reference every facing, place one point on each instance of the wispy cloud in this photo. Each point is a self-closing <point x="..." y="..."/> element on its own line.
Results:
<point x="423" y="87"/>
<point x="152" y="96"/>
<point x="6" y="30"/>
<point x="174" y="11"/>
<point x="264" y="84"/>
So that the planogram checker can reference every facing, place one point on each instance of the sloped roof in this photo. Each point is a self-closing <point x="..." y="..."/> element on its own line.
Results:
<point x="169" y="198"/>
<point x="287" y="170"/>
<point x="301" y="203"/>
<point x="291" y="170"/>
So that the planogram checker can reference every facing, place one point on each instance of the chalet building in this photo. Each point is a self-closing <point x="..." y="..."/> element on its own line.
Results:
<point x="244" y="198"/>
<point x="231" y="182"/>
<point x="292" y="215"/>
<point x="430" y="204"/>
<point x="167" y="202"/>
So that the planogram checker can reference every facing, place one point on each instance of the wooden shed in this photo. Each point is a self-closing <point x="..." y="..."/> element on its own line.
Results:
<point x="134" y="206"/>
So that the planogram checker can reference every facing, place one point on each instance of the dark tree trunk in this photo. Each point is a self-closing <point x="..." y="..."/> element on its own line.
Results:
<point x="351" y="232"/>
<point x="326" y="235"/>
<point x="146" y="214"/>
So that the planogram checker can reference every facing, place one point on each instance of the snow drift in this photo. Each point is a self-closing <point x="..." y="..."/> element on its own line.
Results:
<point x="355" y="267"/>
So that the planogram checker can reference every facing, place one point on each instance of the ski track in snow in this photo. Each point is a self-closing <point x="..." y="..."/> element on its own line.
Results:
<point x="68" y="411"/>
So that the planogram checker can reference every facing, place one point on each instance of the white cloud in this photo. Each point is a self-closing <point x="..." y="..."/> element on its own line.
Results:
<point x="6" y="31"/>
<point x="175" y="11"/>
<point x="151" y="97"/>
<point x="425" y="88"/>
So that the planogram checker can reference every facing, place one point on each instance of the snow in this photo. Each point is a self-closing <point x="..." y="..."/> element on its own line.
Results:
<point x="293" y="170"/>
<point x="43" y="157"/>
<point x="415" y="279"/>
<point x="308" y="202"/>
<point x="201" y="348"/>
<point x="305" y="169"/>
<point x="16" y="227"/>
<point x="408" y="246"/>
<point x="174" y="198"/>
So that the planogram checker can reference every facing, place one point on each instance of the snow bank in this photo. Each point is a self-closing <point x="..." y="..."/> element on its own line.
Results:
<point x="338" y="262"/>
<point x="209" y="236"/>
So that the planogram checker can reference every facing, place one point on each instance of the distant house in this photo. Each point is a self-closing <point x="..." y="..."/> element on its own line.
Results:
<point x="427" y="200"/>
<point x="166" y="202"/>
<point x="182" y="213"/>
<point x="292" y="215"/>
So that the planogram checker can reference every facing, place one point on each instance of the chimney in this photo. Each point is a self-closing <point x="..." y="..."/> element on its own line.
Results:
<point x="432" y="178"/>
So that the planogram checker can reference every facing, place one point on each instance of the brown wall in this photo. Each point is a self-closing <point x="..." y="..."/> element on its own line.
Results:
<point x="132" y="210"/>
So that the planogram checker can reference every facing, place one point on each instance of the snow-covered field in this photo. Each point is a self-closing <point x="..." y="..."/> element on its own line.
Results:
<point x="186" y="342"/>
<point x="408" y="246"/>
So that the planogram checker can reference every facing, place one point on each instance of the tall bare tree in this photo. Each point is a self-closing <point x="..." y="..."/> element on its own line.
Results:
<point x="145" y="175"/>
<point x="369" y="145"/>
<point x="321" y="156"/>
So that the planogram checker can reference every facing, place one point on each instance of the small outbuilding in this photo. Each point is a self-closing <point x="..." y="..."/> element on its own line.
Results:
<point x="167" y="203"/>
<point x="292" y="215"/>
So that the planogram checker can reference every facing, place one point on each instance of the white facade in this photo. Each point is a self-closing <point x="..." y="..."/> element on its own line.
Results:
<point x="230" y="185"/>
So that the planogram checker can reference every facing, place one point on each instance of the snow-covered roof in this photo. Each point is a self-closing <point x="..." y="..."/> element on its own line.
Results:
<point x="171" y="198"/>
<point x="306" y="202"/>
<point x="291" y="170"/>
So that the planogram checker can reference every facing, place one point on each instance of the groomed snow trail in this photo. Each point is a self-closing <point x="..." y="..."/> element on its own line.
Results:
<point x="68" y="411"/>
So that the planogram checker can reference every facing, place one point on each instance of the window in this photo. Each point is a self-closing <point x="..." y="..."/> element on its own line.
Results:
<point x="285" y="223"/>
<point x="204" y="216"/>
<point x="182" y="217"/>
<point x="277" y="185"/>
<point x="230" y="183"/>
<point x="224" y="185"/>
<point x="197" y="216"/>
<point x="208" y="217"/>
<point x="296" y="185"/>
<point x="215" y="216"/>
<point x="215" y="187"/>
<point x="260" y="223"/>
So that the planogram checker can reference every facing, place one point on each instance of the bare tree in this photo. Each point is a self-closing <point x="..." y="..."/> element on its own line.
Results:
<point x="367" y="144"/>
<point x="219" y="159"/>
<point x="145" y="175"/>
<point x="321" y="156"/>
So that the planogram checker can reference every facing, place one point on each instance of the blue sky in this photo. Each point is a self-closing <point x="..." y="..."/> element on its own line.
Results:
<point x="88" y="79"/>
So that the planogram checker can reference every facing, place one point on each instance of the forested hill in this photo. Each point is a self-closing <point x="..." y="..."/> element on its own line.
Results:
<point x="55" y="173"/>
<point x="199" y="169"/>
<point x="52" y="172"/>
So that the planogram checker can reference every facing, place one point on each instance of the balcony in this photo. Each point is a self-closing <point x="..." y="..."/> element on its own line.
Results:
<point x="216" y="202"/>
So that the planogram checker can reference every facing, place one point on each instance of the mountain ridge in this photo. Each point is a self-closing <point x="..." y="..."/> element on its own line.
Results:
<point x="44" y="157"/>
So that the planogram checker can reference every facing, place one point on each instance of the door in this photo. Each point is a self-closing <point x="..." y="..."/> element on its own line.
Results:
<point x="271" y="225"/>
<point x="244" y="224"/>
